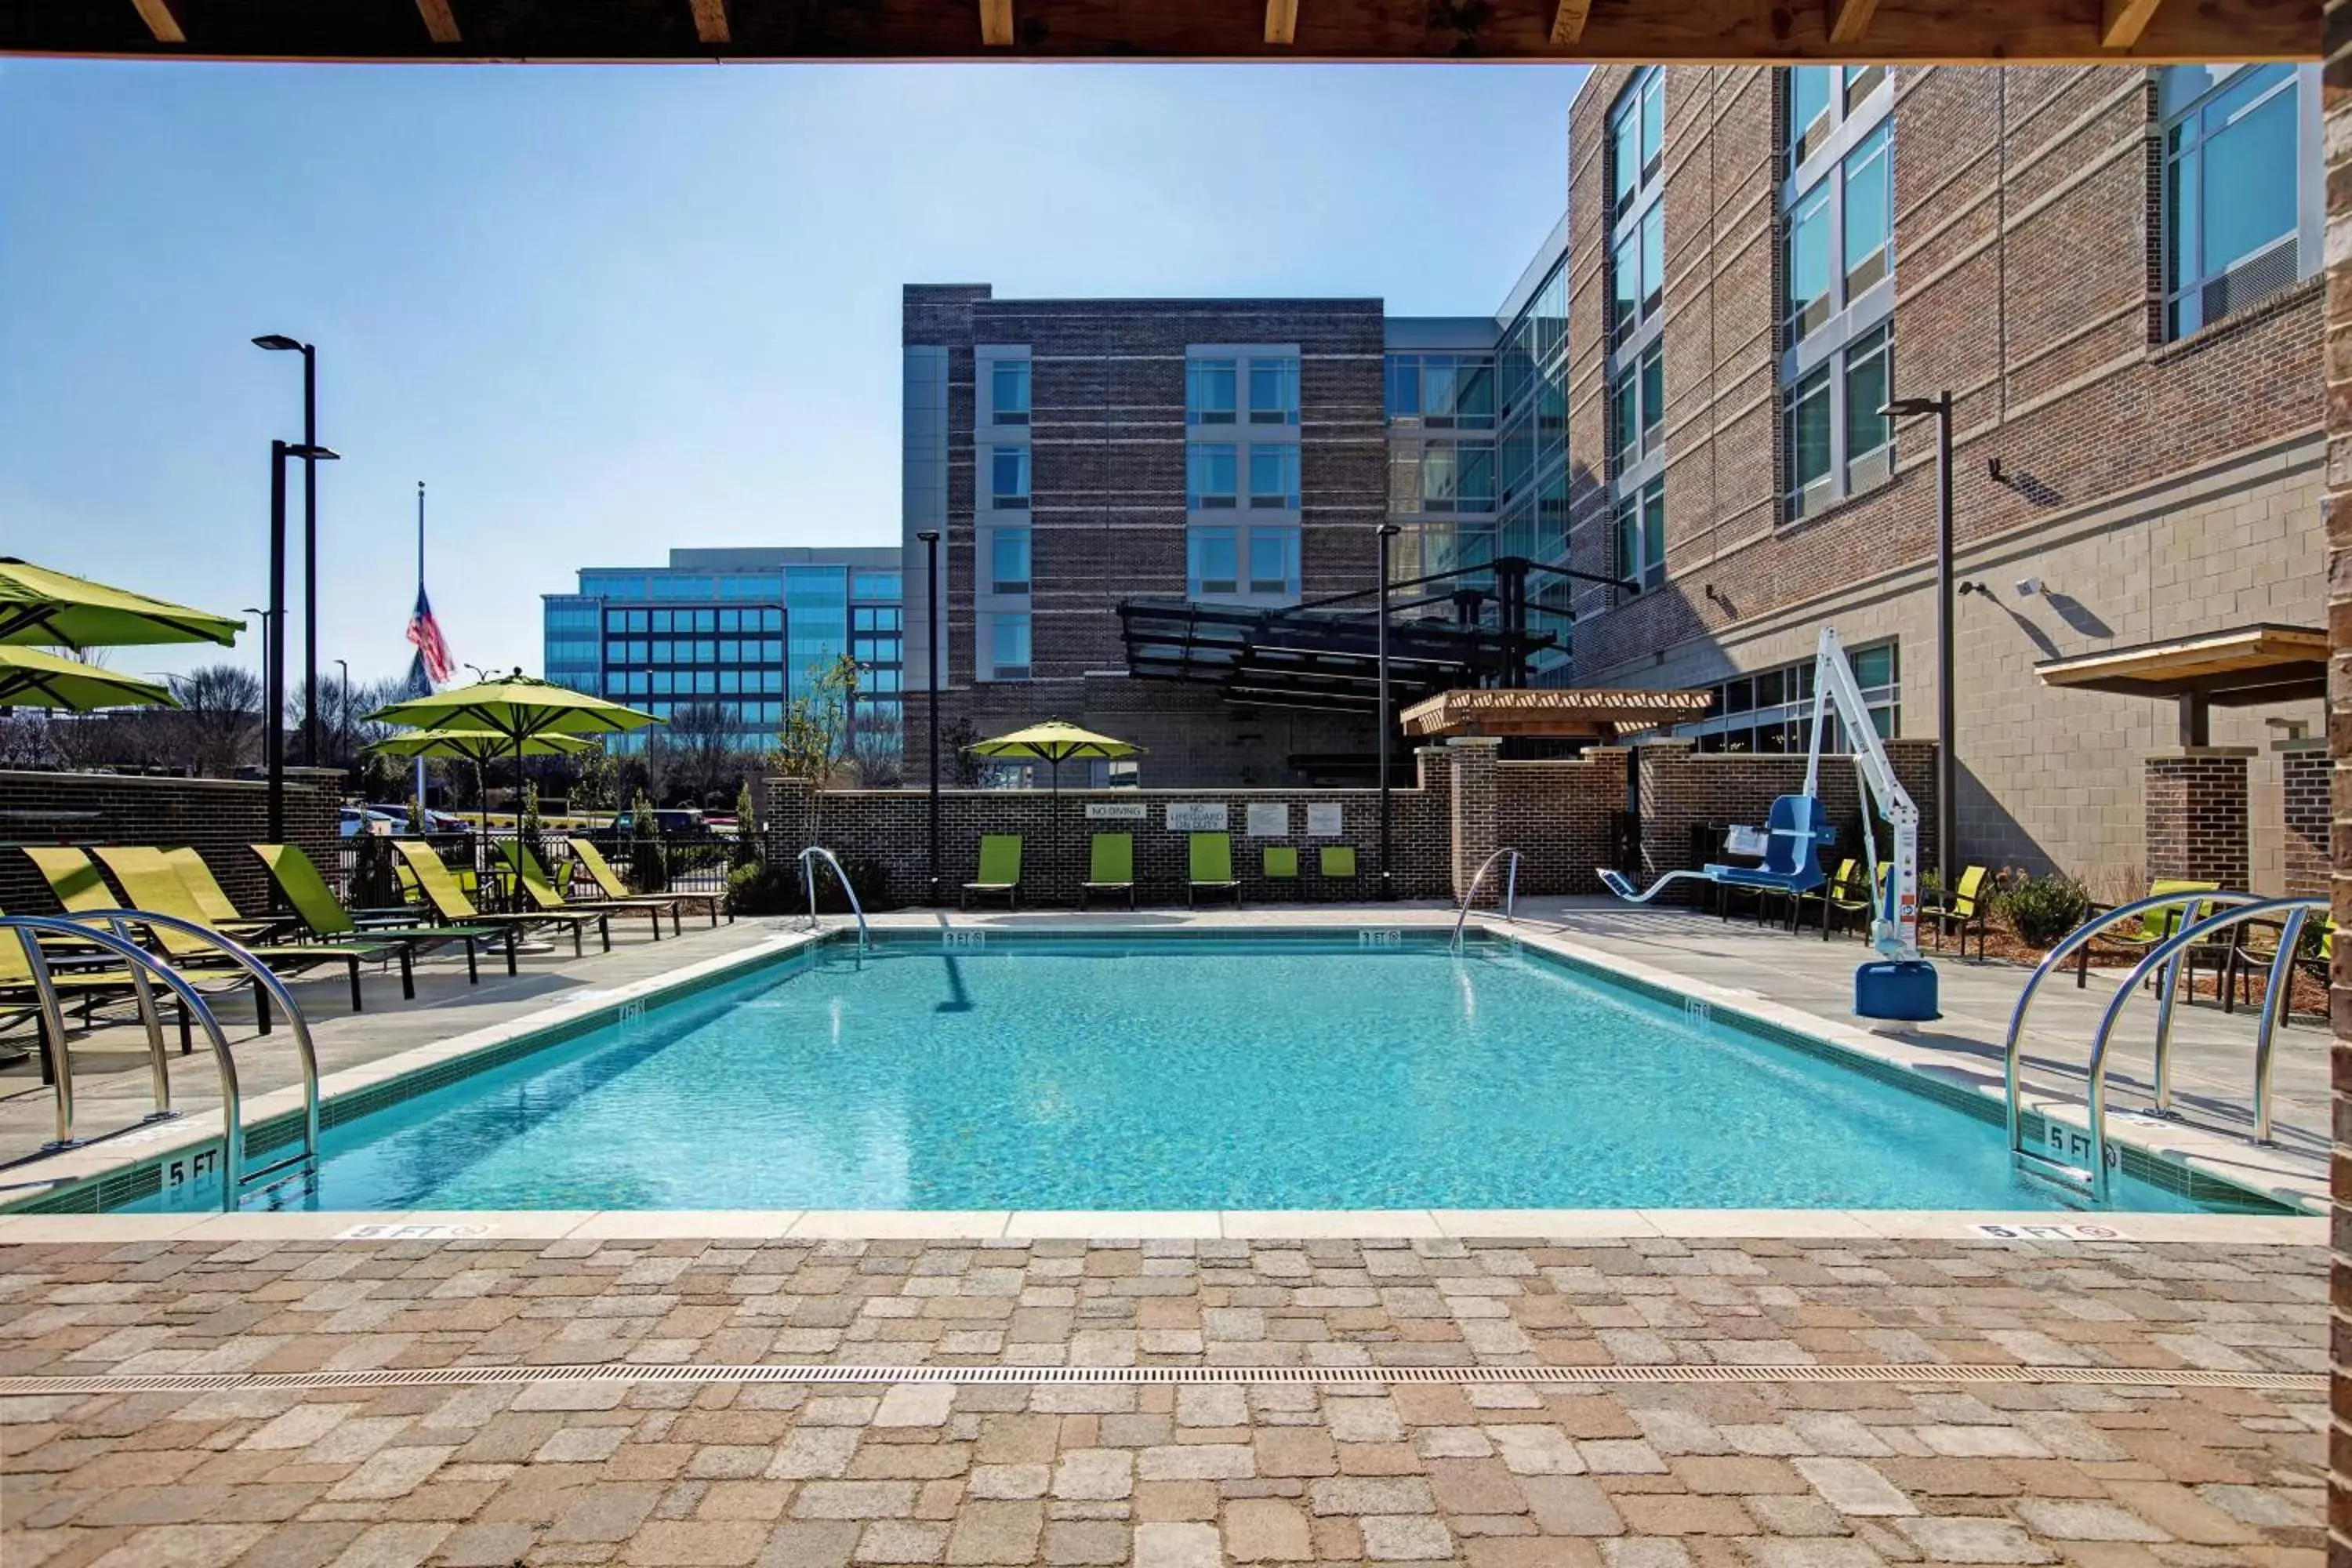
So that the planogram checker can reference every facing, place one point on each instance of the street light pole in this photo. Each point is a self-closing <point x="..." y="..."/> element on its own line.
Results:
<point x="309" y="353"/>
<point x="273" y="729"/>
<point x="930" y="537"/>
<point x="343" y="719"/>
<point x="1946" y="723"/>
<point x="1388" y="531"/>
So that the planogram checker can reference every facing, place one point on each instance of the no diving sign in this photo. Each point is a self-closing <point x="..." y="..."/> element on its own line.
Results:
<point x="2050" y="1232"/>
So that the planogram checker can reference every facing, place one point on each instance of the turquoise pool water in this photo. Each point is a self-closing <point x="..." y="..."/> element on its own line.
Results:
<point x="1170" y="1074"/>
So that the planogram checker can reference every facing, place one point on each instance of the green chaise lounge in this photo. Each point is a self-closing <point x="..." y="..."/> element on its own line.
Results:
<point x="589" y="858"/>
<point x="545" y="896"/>
<point x="1000" y="871"/>
<point x="1213" y="868"/>
<point x="1110" y="868"/>
<point x="450" y="906"/>
<point x="326" y="920"/>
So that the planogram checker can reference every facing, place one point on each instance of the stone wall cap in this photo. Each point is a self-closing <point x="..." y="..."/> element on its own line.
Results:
<point x="1490" y="742"/>
<point x="2301" y="743"/>
<point x="2194" y="753"/>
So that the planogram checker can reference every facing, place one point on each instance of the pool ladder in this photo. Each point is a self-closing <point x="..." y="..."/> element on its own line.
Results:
<point x="808" y="858"/>
<point x="105" y="930"/>
<point x="2094" y="1183"/>
<point x="1510" y="891"/>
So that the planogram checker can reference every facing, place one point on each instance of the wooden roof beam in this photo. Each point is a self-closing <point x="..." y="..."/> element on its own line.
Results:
<point x="996" y="24"/>
<point x="1849" y="20"/>
<point x="711" y="22"/>
<point x="2123" y="21"/>
<point x="440" y="22"/>
<point x="1567" y="22"/>
<point x="161" y="21"/>
<point x="1281" y="22"/>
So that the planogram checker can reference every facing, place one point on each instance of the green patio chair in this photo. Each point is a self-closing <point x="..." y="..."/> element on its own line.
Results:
<point x="1963" y="911"/>
<point x="2156" y="926"/>
<point x="1335" y="866"/>
<point x="539" y="889"/>
<point x="1213" y="868"/>
<point x="326" y="920"/>
<point x="1834" y="894"/>
<point x="1110" y="867"/>
<point x="590" y="859"/>
<point x="220" y="910"/>
<point x="450" y="906"/>
<point x="81" y="981"/>
<point x="1000" y="871"/>
<point x="1279" y="862"/>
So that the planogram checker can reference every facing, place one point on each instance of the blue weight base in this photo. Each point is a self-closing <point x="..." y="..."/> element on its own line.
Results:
<point x="1898" y="989"/>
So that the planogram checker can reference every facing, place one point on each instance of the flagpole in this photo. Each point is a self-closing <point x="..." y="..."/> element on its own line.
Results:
<point x="420" y="818"/>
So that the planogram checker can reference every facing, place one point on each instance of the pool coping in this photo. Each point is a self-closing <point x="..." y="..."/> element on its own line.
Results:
<point x="2224" y="1158"/>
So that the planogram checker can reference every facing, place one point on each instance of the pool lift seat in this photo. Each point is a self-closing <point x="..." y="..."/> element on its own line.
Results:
<point x="1899" y="984"/>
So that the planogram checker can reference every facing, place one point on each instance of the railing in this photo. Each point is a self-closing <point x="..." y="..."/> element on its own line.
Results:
<point x="808" y="858"/>
<point x="1470" y="894"/>
<point x="109" y="937"/>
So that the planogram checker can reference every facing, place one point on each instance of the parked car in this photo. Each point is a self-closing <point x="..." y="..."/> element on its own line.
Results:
<point x="357" y="820"/>
<point x="684" y="819"/>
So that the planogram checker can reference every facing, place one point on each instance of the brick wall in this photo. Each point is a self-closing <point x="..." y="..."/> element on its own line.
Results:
<point x="2196" y="814"/>
<point x="1683" y="789"/>
<point x="2306" y="774"/>
<point x="2336" y="376"/>
<point x="218" y="816"/>
<point x="1557" y="815"/>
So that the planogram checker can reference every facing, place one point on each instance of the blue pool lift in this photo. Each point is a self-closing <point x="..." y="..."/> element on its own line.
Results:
<point x="1900" y="984"/>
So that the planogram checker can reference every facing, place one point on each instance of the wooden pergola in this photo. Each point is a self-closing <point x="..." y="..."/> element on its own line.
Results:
<point x="1588" y="713"/>
<point x="2244" y="668"/>
<point x="1687" y="31"/>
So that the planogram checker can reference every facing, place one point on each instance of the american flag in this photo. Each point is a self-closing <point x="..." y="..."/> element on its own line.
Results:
<point x="424" y="635"/>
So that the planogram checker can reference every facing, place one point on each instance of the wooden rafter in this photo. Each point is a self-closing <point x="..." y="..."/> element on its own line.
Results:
<point x="161" y="21"/>
<point x="1849" y="20"/>
<point x="1281" y="22"/>
<point x="2124" y="21"/>
<point x="996" y="24"/>
<point x="1567" y="22"/>
<point x="711" y="22"/>
<point x="440" y="22"/>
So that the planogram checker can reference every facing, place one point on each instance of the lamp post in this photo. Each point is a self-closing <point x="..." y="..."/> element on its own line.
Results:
<point x="273" y="728"/>
<point x="1388" y="531"/>
<point x="930" y="537"/>
<point x="343" y="717"/>
<point x="280" y="342"/>
<point x="1946" y="737"/>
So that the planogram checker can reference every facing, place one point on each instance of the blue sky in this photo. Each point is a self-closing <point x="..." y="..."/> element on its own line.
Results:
<point x="605" y="312"/>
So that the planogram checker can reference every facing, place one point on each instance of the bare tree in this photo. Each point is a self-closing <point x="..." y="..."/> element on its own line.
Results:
<point x="220" y="718"/>
<point x="701" y="751"/>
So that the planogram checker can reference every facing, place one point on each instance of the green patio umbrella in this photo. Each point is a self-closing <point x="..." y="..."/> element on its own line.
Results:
<point x="478" y="747"/>
<point x="41" y="608"/>
<point x="1054" y="742"/>
<point x="31" y="677"/>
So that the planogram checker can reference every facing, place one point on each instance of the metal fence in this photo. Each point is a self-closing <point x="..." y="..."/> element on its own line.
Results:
<point x="698" y="862"/>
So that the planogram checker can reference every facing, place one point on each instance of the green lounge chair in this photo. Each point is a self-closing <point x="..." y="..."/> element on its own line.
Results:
<point x="588" y="857"/>
<point x="1963" y="911"/>
<point x="1000" y="871"/>
<point x="1110" y="867"/>
<point x="326" y="920"/>
<point x="543" y="894"/>
<point x="220" y="910"/>
<point x="1835" y="893"/>
<point x="151" y="882"/>
<point x="2156" y="926"/>
<point x="450" y="906"/>
<point x="1279" y="862"/>
<point x="1336" y="863"/>
<point x="81" y="983"/>
<point x="1213" y="868"/>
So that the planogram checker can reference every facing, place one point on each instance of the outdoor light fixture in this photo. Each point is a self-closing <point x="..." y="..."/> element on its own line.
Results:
<point x="1386" y="531"/>
<point x="310" y="453"/>
<point x="2028" y="586"/>
<point x="277" y="340"/>
<point x="1968" y="588"/>
<point x="273" y="728"/>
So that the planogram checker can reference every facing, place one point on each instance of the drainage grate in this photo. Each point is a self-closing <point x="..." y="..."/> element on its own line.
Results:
<point x="1581" y="1376"/>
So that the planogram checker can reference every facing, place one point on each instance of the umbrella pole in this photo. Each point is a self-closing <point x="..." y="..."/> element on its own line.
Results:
<point x="1054" y="814"/>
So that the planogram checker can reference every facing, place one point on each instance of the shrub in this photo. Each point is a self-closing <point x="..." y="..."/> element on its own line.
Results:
<point x="648" y="859"/>
<point x="745" y="850"/>
<point x="2045" y="908"/>
<point x="774" y="888"/>
<point x="761" y="889"/>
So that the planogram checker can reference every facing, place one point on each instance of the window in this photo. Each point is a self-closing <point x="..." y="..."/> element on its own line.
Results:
<point x="1008" y="392"/>
<point x="1837" y="445"/>
<point x="1772" y="710"/>
<point x="1008" y="561"/>
<point x="2241" y="195"/>
<point x="1273" y="477"/>
<point x="1441" y="392"/>
<point x="1008" y="478"/>
<point x="1215" y="563"/>
<point x="1445" y="476"/>
<point x="1637" y="217"/>
<point x="1209" y="392"/>
<point x="1210" y="477"/>
<point x="1273" y="392"/>
<point x="1637" y="401"/>
<point x="1637" y="126"/>
<point x="1637" y="271"/>
<point x="1641" y="540"/>
<point x="1869" y="176"/>
<point x="1274" y="560"/>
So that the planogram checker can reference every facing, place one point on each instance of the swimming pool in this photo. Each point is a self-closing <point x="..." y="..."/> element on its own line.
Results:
<point x="1331" y="1072"/>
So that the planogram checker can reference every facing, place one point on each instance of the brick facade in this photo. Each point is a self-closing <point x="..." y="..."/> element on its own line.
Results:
<point x="2024" y="282"/>
<point x="2305" y="774"/>
<point x="2196" y="814"/>
<point x="217" y="816"/>
<point x="2336" y="376"/>
<point x="1477" y="815"/>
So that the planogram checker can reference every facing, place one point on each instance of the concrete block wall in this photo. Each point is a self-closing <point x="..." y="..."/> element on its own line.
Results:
<point x="2196" y="815"/>
<point x="218" y="817"/>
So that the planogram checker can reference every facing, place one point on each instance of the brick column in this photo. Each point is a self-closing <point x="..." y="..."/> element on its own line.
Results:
<point x="2304" y="770"/>
<point x="787" y="814"/>
<point x="2336" y="46"/>
<point x="1476" y="812"/>
<point x="2196" y="804"/>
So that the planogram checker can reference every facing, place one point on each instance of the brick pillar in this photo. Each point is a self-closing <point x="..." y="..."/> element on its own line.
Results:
<point x="2304" y="772"/>
<point x="2336" y="46"/>
<point x="2196" y="804"/>
<point x="1476" y="812"/>
<point x="788" y="817"/>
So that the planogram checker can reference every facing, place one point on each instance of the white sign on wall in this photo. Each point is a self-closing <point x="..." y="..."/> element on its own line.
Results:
<point x="1199" y="816"/>
<point x="1323" y="819"/>
<point x="1115" y="811"/>
<point x="1268" y="819"/>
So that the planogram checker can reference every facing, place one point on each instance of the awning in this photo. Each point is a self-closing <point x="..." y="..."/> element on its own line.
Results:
<point x="2245" y="668"/>
<point x="1587" y="713"/>
<point x="1318" y="659"/>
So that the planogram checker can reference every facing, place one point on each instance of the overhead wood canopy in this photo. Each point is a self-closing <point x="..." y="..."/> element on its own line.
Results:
<point x="2244" y="668"/>
<point x="1586" y="713"/>
<point x="1698" y="31"/>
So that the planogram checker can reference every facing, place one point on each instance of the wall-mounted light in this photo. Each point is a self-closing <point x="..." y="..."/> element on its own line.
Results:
<point x="2028" y="586"/>
<point x="1968" y="588"/>
<point x="1993" y="471"/>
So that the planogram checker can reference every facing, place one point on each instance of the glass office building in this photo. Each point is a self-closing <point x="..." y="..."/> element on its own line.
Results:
<point x="734" y="632"/>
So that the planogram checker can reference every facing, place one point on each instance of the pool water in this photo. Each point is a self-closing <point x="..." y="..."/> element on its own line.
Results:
<point x="1170" y="1074"/>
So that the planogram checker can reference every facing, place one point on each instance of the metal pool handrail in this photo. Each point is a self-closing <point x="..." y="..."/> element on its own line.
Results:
<point x="85" y="927"/>
<point x="808" y="877"/>
<point x="1510" y="890"/>
<point x="2013" y="1049"/>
